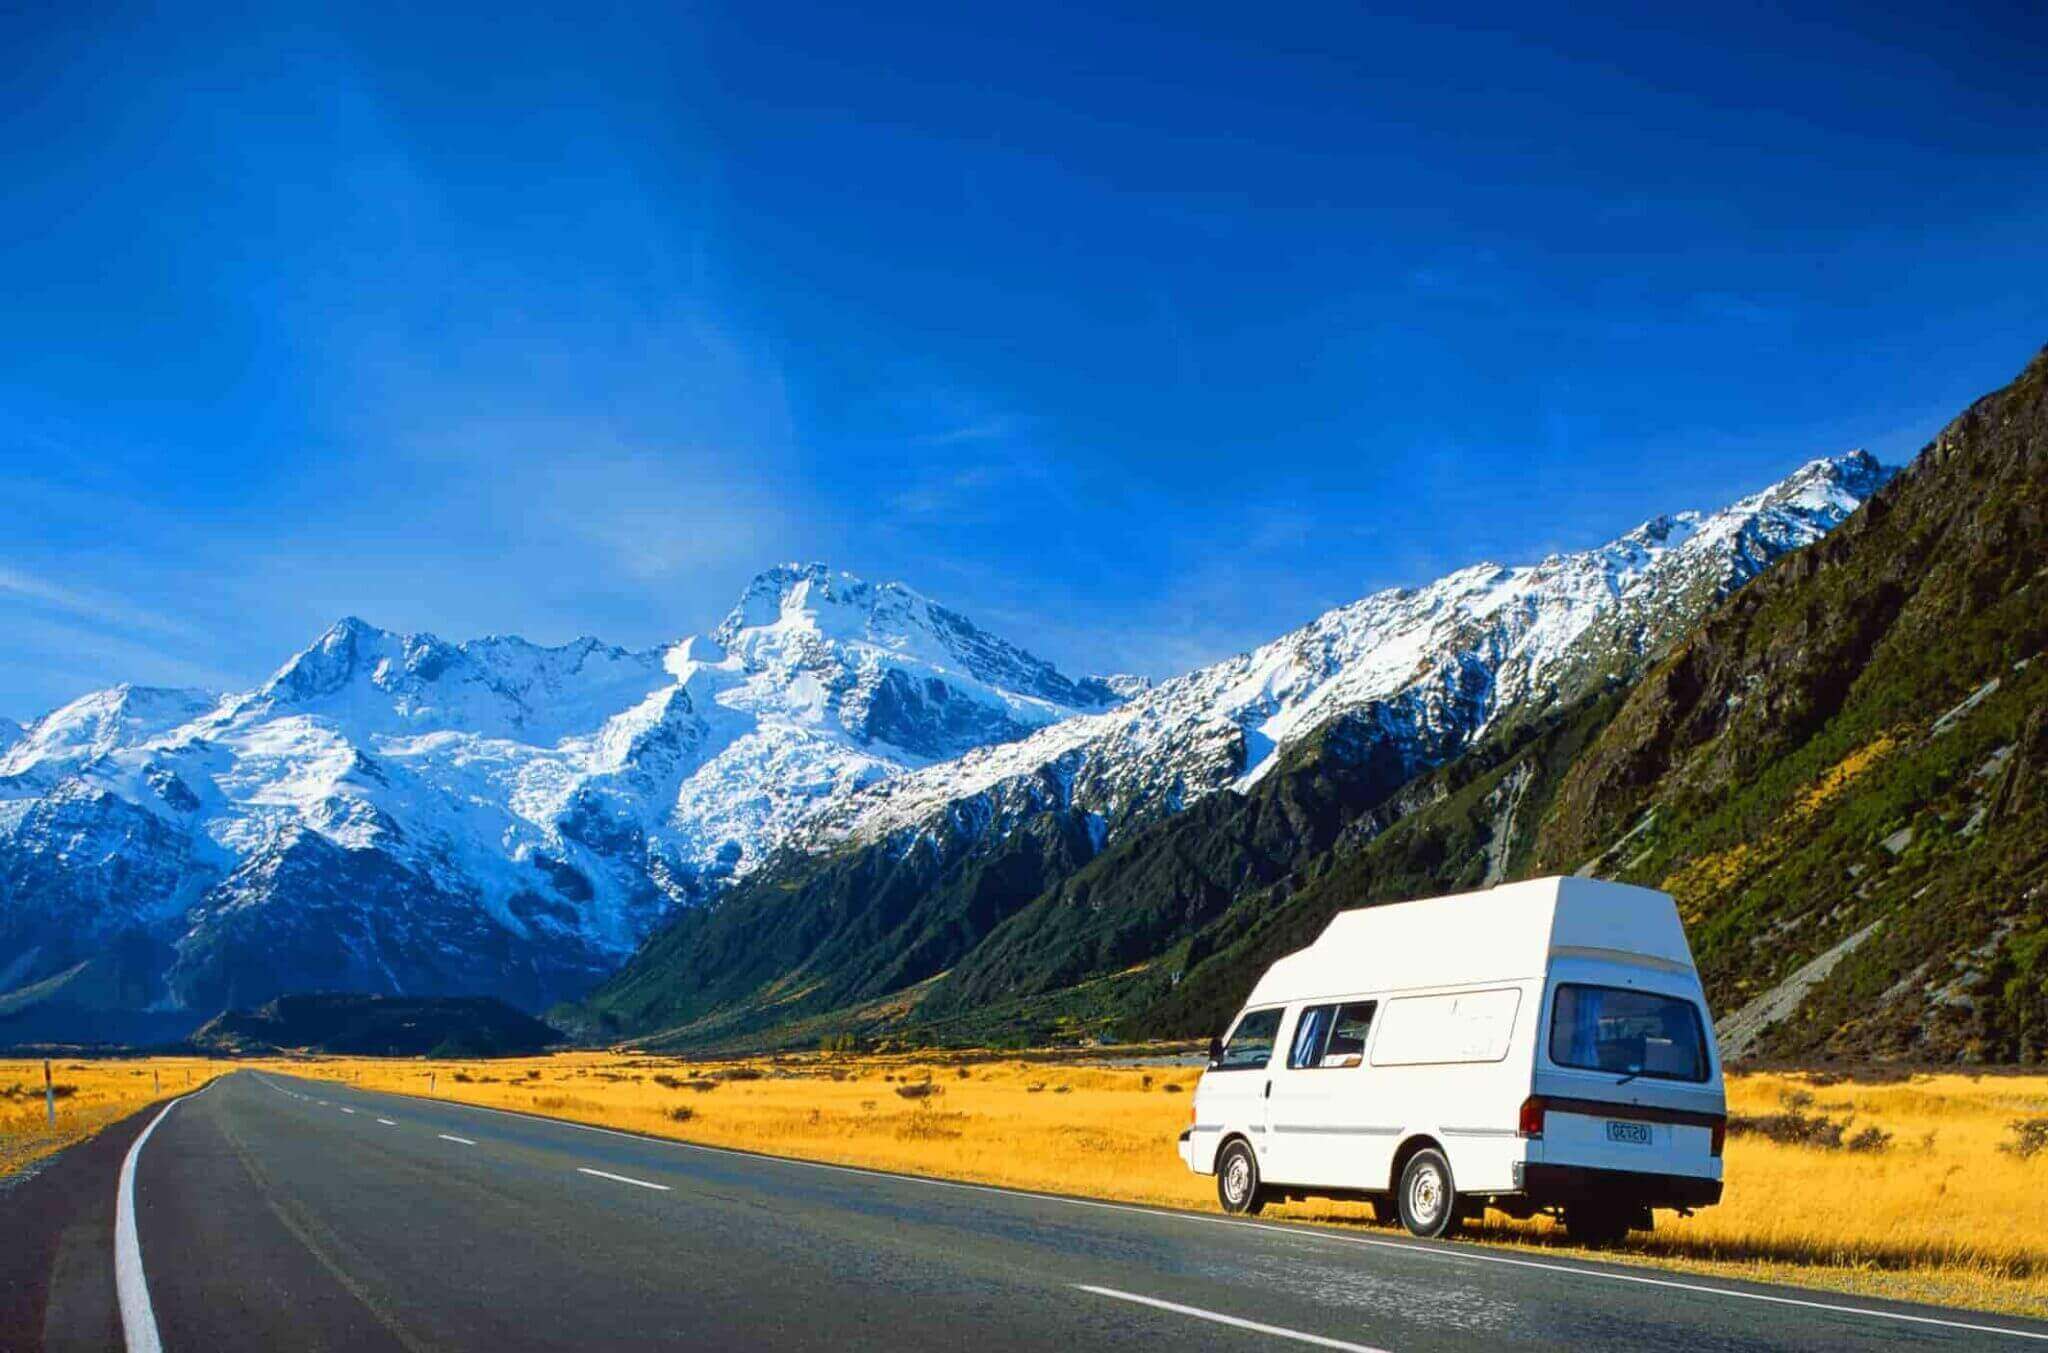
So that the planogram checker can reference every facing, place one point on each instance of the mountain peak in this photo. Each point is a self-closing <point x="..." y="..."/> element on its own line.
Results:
<point x="349" y="646"/>
<point x="1825" y="483"/>
<point x="791" y="608"/>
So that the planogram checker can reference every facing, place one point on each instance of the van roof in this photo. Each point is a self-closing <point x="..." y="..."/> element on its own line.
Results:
<point x="1502" y="933"/>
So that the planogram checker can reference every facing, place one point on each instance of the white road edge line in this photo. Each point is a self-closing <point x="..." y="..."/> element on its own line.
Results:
<point x="1297" y="1232"/>
<point x="446" y="1137"/>
<point x="131" y="1285"/>
<point x="623" y="1179"/>
<point x="1235" y="1322"/>
<point x="387" y="1122"/>
<point x="348" y="1110"/>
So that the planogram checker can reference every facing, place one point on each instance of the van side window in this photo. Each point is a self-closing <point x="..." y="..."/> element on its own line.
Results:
<point x="1465" y="1026"/>
<point x="1251" y="1042"/>
<point x="1347" y="1038"/>
<point x="1330" y="1036"/>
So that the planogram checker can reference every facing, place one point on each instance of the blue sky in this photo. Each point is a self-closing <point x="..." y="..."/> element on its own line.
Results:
<point x="1139" y="335"/>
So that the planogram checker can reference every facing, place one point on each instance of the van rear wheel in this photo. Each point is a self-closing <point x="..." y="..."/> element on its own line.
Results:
<point x="1237" y="1180"/>
<point x="1427" y="1199"/>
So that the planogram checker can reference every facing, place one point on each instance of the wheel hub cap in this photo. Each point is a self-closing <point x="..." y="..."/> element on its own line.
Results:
<point x="1426" y="1196"/>
<point x="1237" y="1179"/>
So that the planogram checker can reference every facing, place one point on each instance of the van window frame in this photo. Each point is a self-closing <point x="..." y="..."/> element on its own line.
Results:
<point x="1280" y="1012"/>
<point x="1372" y="1006"/>
<point x="1706" y="1060"/>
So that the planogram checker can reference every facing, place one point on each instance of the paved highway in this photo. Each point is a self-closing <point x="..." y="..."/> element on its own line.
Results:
<point x="271" y="1212"/>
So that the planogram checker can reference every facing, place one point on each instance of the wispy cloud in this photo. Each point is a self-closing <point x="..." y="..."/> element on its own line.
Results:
<point x="22" y="588"/>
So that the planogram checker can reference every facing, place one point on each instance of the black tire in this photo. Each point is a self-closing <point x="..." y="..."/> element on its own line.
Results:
<point x="1596" y="1225"/>
<point x="1237" y="1180"/>
<point x="1427" y="1198"/>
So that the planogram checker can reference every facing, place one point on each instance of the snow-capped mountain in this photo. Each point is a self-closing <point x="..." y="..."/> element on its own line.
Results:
<point x="1433" y="667"/>
<point x="397" y="813"/>
<point x="10" y="733"/>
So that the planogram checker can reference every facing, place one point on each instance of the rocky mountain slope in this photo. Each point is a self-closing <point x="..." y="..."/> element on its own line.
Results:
<point x="1843" y="774"/>
<point x="887" y="887"/>
<point x="394" y="813"/>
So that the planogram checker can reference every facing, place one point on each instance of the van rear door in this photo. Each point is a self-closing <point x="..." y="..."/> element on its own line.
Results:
<point x="1628" y="1081"/>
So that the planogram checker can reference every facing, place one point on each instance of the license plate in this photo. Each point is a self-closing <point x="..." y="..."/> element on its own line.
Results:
<point x="1634" y="1134"/>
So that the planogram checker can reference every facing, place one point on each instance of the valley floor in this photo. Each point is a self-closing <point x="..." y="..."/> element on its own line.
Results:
<point x="1917" y="1187"/>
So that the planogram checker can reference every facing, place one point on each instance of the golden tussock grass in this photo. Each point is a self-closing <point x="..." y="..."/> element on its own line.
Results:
<point x="91" y="1094"/>
<point x="1941" y="1214"/>
<point x="1844" y="771"/>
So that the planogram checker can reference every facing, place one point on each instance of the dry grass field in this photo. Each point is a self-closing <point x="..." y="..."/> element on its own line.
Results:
<point x="90" y="1095"/>
<point x="1940" y="1203"/>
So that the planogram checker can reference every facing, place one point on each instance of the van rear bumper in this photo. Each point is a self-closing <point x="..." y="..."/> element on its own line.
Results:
<point x="1552" y="1185"/>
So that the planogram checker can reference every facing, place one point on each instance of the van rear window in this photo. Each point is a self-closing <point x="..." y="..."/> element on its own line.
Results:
<point x="1633" y="1033"/>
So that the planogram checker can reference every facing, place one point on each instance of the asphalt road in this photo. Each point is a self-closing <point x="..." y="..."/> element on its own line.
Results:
<point x="274" y="1212"/>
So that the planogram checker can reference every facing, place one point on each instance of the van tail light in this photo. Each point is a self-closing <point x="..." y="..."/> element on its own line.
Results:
<point x="1720" y="1138"/>
<point x="1531" y="1122"/>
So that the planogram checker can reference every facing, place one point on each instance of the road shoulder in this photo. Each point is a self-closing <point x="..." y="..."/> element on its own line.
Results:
<point x="57" y="1267"/>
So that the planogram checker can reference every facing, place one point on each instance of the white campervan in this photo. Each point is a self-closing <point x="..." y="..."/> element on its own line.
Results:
<point x="1537" y="1047"/>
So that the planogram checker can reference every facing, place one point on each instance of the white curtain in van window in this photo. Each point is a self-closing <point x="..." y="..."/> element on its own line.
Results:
<point x="1470" y="1026"/>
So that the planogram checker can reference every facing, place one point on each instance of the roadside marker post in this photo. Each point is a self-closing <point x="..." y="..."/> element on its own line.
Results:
<point x="49" y="1094"/>
<point x="156" y="1081"/>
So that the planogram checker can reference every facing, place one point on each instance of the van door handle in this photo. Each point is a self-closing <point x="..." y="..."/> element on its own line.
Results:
<point x="1269" y="1089"/>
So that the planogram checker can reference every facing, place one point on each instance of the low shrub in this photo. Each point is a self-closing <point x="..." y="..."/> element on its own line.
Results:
<point x="920" y="1089"/>
<point x="2029" y="1138"/>
<point x="1818" y="1131"/>
<point x="682" y="1113"/>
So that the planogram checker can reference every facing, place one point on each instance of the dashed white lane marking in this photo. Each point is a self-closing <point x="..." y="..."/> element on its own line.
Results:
<point x="131" y="1285"/>
<point x="637" y="1183"/>
<point x="1419" y="1251"/>
<point x="348" y="1110"/>
<point x="448" y="1137"/>
<point x="387" y="1122"/>
<point x="1235" y="1322"/>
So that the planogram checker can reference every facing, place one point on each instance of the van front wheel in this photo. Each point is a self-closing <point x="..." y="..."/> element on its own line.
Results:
<point x="1237" y="1181"/>
<point x="1427" y="1200"/>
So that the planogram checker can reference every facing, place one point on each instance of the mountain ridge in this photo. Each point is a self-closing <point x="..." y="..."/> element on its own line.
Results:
<point x="490" y="816"/>
<point x="893" y="884"/>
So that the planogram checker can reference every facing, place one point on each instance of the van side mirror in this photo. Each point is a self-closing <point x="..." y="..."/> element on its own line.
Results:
<point x="1215" y="1049"/>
